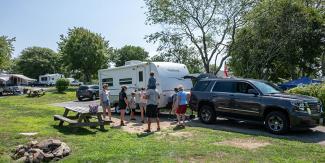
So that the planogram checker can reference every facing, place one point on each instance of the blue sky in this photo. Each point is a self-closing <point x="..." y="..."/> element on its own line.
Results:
<point x="40" y="22"/>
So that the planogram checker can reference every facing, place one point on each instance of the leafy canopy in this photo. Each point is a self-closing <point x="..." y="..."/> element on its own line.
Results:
<point x="281" y="40"/>
<point x="84" y="51"/>
<point x="36" y="61"/>
<point x="127" y="53"/>
<point x="6" y="49"/>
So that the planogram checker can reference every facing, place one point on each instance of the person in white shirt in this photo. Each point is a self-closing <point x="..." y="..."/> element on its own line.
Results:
<point x="143" y="103"/>
<point x="105" y="101"/>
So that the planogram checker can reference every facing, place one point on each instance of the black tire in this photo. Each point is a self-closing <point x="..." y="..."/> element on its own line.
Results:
<point x="276" y="122"/>
<point x="207" y="114"/>
<point x="93" y="97"/>
<point x="80" y="99"/>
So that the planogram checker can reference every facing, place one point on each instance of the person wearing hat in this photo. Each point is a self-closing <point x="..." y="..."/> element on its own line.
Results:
<point x="182" y="105"/>
<point x="123" y="103"/>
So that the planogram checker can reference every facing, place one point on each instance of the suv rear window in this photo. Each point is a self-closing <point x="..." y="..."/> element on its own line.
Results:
<point x="201" y="86"/>
<point x="83" y="87"/>
<point x="223" y="86"/>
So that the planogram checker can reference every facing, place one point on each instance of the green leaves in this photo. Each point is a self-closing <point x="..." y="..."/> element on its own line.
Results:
<point x="127" y="53"/>
<point x="84" y="51"/>
<point x="36" y="61"/>
<point x="6" y="49"/>
<point x="281" y="40"/>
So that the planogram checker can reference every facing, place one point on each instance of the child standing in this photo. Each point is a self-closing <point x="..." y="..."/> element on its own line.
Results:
<point x="132" y="105"/>
<point x="143" y="103"/>
<point x="105" y="102"/>
<point x="182" y="98"/>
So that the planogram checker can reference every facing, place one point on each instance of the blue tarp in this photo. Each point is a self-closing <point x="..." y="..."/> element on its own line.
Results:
<point x="298" y="82"/>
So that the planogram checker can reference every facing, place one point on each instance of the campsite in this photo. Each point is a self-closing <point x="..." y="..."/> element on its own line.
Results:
<point x="184" y="81"/>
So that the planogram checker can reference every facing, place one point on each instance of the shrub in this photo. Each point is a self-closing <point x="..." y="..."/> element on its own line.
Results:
<point x="62" y="85"/>
<point x="315" y="90"/>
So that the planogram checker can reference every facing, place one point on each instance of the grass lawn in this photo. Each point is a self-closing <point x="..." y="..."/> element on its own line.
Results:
<point x="21" y="114"/>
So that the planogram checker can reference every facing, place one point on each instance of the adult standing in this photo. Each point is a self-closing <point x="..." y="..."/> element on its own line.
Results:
<point x="143" y="103"/>
<point x="152" y="97"/>
<point x="105" y="102"/>
<point x="123" y="103"/>
<point x="182" y="105"/>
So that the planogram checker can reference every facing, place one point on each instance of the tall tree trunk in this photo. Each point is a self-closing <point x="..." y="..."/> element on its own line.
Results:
<point x="323" y="64"/>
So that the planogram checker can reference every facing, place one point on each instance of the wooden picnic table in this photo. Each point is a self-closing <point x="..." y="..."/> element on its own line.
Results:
<point x="81" y="118"/>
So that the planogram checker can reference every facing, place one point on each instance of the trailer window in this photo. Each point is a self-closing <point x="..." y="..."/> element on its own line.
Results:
<point x="140" y="76"/>
<point x="43" y="78"/>
<point x="108" y="81"/>
<point x="125" y="81"/>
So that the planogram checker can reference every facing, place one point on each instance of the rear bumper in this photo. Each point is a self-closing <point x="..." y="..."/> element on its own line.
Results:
<point x="304" y="120"/>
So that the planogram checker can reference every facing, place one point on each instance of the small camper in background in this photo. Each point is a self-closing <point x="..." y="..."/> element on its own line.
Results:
<point x="135" y="75"/>
<point x="49" y="79"/>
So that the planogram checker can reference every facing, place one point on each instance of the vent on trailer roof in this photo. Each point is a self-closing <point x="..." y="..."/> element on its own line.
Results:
<point x="132" y="62"/>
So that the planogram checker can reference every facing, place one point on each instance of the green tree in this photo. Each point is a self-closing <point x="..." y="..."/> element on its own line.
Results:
<point x="208" y="26"/>
<point x="127" y="53"/>
<point x="6" y="49"/>
<point x="36" y="61"/>
<point x="84" y="52"/>
<point x="281" y="39"/>
<point x="172" y="50"/>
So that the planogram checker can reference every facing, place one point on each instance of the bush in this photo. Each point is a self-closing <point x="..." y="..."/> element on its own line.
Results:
<point x="315" y="90"/>
<point x="62" y="85"/>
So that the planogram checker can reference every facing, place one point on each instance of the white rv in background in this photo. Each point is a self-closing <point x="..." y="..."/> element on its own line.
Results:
<point x="49" y="79"/>
<point x="135" y="75"/>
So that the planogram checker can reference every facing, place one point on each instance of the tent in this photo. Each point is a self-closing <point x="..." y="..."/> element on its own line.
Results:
<point x="298" y="82"/>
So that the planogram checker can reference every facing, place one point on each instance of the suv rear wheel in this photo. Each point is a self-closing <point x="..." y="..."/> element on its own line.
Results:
<point x="207" y="114"/>
<point x="276" y="122"/>
<point x="93" y="97"/>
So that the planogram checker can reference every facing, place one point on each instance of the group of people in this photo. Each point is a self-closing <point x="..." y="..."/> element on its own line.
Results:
<point x="147" y="100"/>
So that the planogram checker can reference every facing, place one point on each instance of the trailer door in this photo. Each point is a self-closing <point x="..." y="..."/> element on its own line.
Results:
<point x="140" y="73"/>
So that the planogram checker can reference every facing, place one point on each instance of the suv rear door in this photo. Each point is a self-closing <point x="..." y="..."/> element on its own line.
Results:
<point x="245" y="103"/>
<point x="221" y="96"/>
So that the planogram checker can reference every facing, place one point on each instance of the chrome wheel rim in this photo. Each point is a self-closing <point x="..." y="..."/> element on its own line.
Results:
<point x="205" y="115"/>
<point x="275" y="123"/>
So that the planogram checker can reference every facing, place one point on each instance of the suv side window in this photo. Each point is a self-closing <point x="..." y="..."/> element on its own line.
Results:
<point x="224" y="86"/>
<point x="95" y="87"/>
<point x="201" y="86"/>
<point x="242" y="87"/>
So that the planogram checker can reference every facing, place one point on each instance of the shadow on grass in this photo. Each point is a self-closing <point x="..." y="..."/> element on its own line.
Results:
<point x="178" y="127"/>
<point x="66" y="130"/>
<point x="307" y="136"/>
<point x="144" y="134"/>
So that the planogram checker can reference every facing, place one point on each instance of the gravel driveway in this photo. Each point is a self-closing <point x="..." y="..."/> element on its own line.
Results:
<point x="314" y="135"/>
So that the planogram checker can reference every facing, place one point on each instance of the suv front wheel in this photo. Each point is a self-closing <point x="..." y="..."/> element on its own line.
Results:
<point x="207" y="114"/>
<point x="276" y="122"/>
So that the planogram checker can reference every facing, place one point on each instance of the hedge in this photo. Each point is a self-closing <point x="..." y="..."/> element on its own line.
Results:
<point x="62" y="85"/>
<point x="315" y="90"/>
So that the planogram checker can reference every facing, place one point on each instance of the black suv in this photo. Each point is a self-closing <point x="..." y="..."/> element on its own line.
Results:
<point x="254" y="100"/>
<point x="87" y="91"/>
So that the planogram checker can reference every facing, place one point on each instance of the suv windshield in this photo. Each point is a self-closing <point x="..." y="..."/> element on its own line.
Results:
<point x="266" y="88"/>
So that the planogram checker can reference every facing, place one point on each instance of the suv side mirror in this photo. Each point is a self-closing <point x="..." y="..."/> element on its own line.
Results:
<point x="252" y="91"/>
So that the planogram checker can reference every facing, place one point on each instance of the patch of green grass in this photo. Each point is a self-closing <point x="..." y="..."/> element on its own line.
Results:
<point x="22" y="114"/>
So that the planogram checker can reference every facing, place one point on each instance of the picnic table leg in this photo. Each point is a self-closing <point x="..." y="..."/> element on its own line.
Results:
<point x="65" y="114"/>
<point x="100" y="121"/>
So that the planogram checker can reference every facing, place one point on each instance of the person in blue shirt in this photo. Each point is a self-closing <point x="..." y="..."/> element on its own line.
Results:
<point x="152" y="81"/>
<point x="182" y="99"/>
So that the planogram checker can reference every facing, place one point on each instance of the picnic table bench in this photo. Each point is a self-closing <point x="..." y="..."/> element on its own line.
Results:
<point x="81" y="118"/>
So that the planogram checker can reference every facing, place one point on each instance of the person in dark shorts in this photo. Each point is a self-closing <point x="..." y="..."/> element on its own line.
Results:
<point x="152" y="111"/>
<point x="123" y="103"/>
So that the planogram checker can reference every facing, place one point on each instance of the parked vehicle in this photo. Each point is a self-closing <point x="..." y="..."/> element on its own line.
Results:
<point x="14" y="90"/>
<point x="254" y="100"/>
<point x="74" y="82"/>
<point x="135" y="75"/>
<point x="87" y="91"/>
<point x="49" y="79"/>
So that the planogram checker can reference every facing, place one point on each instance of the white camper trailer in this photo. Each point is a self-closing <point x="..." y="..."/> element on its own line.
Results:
<point x="135" y="75"/>
<point x="49" y="79"/>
